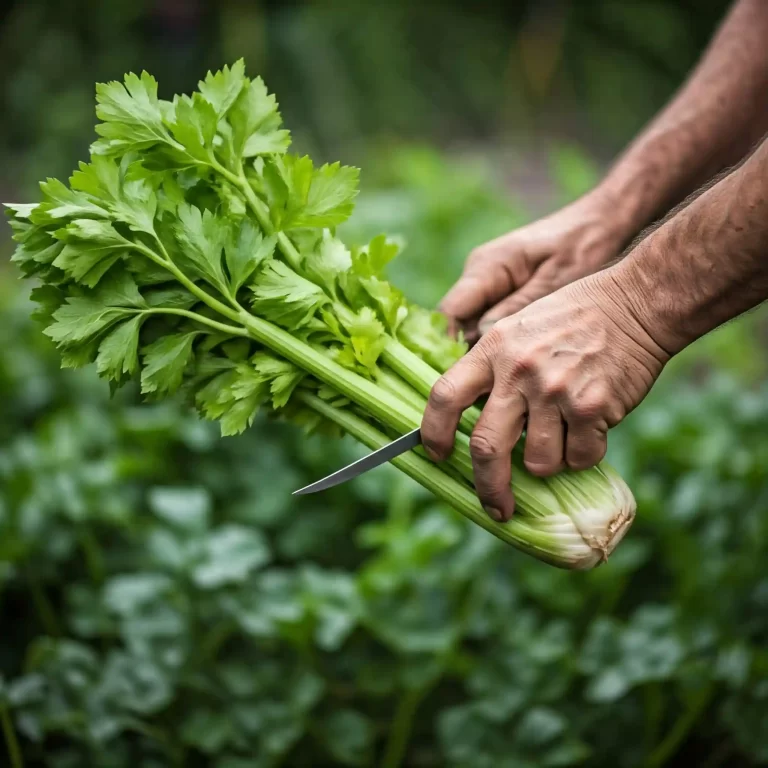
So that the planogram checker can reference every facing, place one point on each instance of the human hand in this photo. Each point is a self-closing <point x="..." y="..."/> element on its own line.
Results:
<point x="566" y="368"/>
<point x="505" y="275"/>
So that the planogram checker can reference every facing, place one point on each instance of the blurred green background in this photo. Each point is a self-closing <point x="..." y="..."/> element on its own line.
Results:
<point x="163" y="599"/>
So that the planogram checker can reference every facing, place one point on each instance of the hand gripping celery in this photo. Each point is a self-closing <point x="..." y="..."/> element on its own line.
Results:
<point x="194" y="253"/>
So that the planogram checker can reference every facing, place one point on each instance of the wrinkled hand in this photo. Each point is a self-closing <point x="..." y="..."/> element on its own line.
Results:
<point x="505" y="275"/>
<point x="566" y="368"/>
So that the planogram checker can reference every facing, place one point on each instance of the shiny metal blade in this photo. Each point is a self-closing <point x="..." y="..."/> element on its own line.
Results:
<point x="382" y="455"/>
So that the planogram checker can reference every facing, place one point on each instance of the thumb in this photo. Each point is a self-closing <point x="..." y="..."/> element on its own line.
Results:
<point x="540" y="285"/>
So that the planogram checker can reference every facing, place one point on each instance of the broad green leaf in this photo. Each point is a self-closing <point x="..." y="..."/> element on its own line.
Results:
<point x="100" y="178"/>
<point x="88" y="262"/>
<point x="302" y="196"/>
<point x="165" y="361"/>
<point x="231" y="554"/>
<point x="350" y="736"/>
<point x="128" y="594"/>
<point x="185" y="508"/>
<point x="79" y="355"/>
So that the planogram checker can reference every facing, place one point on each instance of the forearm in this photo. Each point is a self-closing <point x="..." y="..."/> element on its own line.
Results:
<point x="712" y="122"/>
<point x="704" y="266"/>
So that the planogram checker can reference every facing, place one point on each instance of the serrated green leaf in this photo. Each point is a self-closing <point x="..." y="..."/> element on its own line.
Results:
<point x="302" y="196"/>
<point x="60" y="203"/>
<point x="255" y="119"/>
<point x="367" y="337"/>
<point x="165" y="361"/>
<point x="118" y="352"/>
<point x="201" y="236"/>
<point x="79" y="319"/>
<point x="79" y="355"/>
<point x="91" y="248"/>
<point x="121" y="188"/>
<point x="245" y="249"/>
<point x="170" y="298"/>
<point x="222" y="88"/>
<point x="283" y="377"/>
<point x="195" y="126"/>
<point x="329" y="261"/>
<point x="131" y="115"/>
<point x="282" y="296"/>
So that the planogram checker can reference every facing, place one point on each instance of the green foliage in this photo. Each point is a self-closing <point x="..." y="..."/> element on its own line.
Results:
<point x="165" y="601"/>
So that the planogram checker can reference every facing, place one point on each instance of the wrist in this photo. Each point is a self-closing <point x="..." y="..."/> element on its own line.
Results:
<point x="627" y="196"/>
<point x="631" y="300"/>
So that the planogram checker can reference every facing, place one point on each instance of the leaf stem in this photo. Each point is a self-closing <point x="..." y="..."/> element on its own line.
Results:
<point x="166" y="262"/>
<point x="11" y="741"/>
<point x="223" y="327"/>
<point x="674" y="739"/>
<point x="45" y="611"/>
<point x="402" y="725"/>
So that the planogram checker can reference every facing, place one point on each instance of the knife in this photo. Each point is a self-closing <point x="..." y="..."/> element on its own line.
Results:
<point x="386" y="453"/>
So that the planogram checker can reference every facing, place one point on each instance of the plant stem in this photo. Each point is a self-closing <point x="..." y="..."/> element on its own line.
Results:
<point x="93" y="556"/>
<point x="669" y="745"/>
<point x="223" y="327"/>
<point x="11" y="742"/>
<point x="421" y="376"/>
<point x="402" y="725"/>
<point x="166" y="262"/>
<point x="518" y="531"/>
<point x="45" y="611"/>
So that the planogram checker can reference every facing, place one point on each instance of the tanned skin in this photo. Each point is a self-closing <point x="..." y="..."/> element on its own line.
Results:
<point x="712" y="122"/>
<point x="573" y="346"/>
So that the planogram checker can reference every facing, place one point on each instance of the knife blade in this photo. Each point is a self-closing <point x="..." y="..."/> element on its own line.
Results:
<point x="386" y="453"/>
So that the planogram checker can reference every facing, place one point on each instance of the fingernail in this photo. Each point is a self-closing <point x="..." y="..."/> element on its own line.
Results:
<point x="494" y="513"/>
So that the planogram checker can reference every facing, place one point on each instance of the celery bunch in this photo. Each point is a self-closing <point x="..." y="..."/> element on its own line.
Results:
<point x="195" y="253"/>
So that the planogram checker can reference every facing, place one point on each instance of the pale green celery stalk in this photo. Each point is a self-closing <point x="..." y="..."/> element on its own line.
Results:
<point x="394" y="384"/>
<point x="422" y="377"/>
<point x="405" y="363"/>
<point x="385" y="407"/>
<point x="536" y="497"/>
<point x="551" y="544"/>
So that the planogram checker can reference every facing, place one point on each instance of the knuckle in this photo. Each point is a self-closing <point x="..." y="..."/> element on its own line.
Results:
<point x="554" y="385"/>
<point x="477" y="255"/>
<point x="592" y="403"/>
<point x="443" y="393"/>
<point x="484" y="445"/>
<point x="522" y="364"/>
<point x="492" y="341"/>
